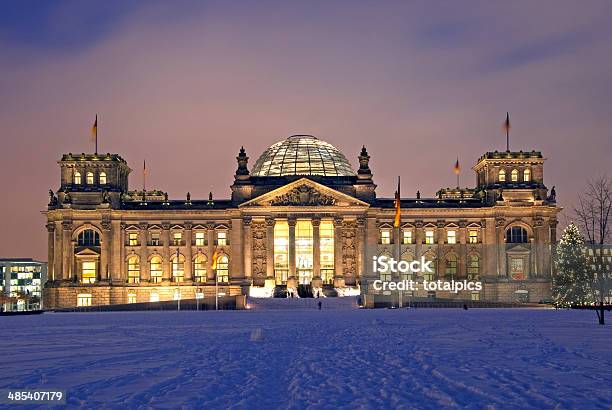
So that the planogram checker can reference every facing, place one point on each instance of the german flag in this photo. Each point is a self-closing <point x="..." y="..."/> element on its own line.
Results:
<point x="457" y="168"/>
<point x="94" y="130"/>
<point x="215" y="256"/>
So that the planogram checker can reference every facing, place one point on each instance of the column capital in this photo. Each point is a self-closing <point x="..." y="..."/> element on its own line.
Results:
<point x="246" y="221"/>
<point x="50" y="227"/>
<point x="67" y="226"/>
<point x="122" y="226"/>
<point x="211" y="226"/>
<point x="316" y="221"/>
<point x="361" y="221"/>
<point x="418" y="223"/>
<point x="338" y="220"/>
<point x="270" y="221"/>
<point x="106" y="225"/>
<point x="188" y="225"/>
<point x="440" y="223"/>
<point x="143" y="226"/>
<point x="291" y="220"/>
<point x="165" y="225"/>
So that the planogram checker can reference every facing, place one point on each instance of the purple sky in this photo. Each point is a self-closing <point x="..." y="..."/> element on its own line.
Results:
<point x="185" y="84"/>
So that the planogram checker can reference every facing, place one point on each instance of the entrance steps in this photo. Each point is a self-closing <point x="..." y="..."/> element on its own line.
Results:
<point x="344" y="303"/>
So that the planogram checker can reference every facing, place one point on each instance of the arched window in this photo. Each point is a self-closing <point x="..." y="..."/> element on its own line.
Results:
<point x="88" y="237"/>
<point x="451" y="267"/>
<point x="516" y="234"/>
<point x="178" y="268"/>
<point x="514" y="175"/>
<point x="133" y="269"/>
<point x="102" y="178"/>
<point x="199" y="265"/>
<point x="223" y="269"/>
<point x="427" y="275"/>
<point x="527" y="175"/>
<point x="502" y="175"/>
<point x="155" y="266"/>
<point x="407" y="275"/>
<point x="90" y="180"/>
<point x="473" y="269"/>
<point x="77" y="177"/>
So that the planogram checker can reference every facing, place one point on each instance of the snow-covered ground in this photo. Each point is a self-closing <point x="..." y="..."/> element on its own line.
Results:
<point x="420" y="358"/>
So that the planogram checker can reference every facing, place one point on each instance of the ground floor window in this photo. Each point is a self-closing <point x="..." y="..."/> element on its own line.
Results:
<point x="131" y="298"/>
<point x="223" y="269"/>
<point x="475" y="295"/>
<point x="84" y="299"/>
<point x="154" y="297"/>
<point x="327" y="275"/>
<point x="155" y="266"/>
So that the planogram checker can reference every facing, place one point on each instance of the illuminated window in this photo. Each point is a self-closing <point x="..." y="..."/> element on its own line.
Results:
<point x="131" y="298"/>
<point x="407" y="275"/>
<point x="88" y="271"/>
<point x="385" y="236"/>
<point x="132" y="239"/>
<point x="155" y="266"/>
<point x="433" y="266"/>
<point x="502" y="175"/>
<point x="134" y="269"/>
<point x="429" y="237"/>
<point x="102" y="177"/>
<point x="407" y="238"/>
<point x="200" y="239"/>
<point x="221" y="238"/>
<point x="473" y="269"/>
<point x="177" y="238"/>
<point x="326" y="238"/>
<point x="84" y="299"/>
<point x="178" y="268"/>
<point x="527" y="175"/>
<point x="473" y="236"/>
<point x="514" y="175"/>
<point x="304" y="251"/>
<point x="281" y="251"/>
<point x="223" y="269"/>
<point x="154" y="297"/>
<point x="451" y="267"/>
<point x="451" y="237"/>
<point x="516" y="234"/>
<point x="90" y="179"/>
<point x="154" y="239"/>
<point x="77" y="177"/>
<point x="475" y="295"/>
<point x="385" y="275"/>
<point x="88" y="237"/>
<point x="200" y="268"/>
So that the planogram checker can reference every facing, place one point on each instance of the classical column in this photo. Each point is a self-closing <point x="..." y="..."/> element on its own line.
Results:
<point x="66" y="251"/>
<point x="50" y="250"/>
<point x="291" y="279"/>
<point x="58" y="249"/>
<point x="236" y="261"/>
<point x="338" y="267"/>
<point x="210" y="235"/>
<point x="117" y="262"/>
<point x="166" y="266"/>
<point x="371" y="248"/>
<point x="361" y="241"/>
<point x="188" y="251"/>
<point x="500" y="241"/>
<point x="247" y="246"/>
<point x="270" y="251"/>
<point x="316" y="252"/>
<point x="418" y="239"/>
<point x="105" y="250"/>
<point x="143" y="237"/>
<point x="440" y="239"/>
<point x="462" y="262"/>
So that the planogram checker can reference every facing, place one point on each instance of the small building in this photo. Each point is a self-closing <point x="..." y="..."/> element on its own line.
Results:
<point x="22" y="279"/>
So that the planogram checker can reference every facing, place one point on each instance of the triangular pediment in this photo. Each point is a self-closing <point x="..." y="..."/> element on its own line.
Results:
<point x="87" y="252"/>
<point x="304" y="192"/>
<point x="519" y="248"/>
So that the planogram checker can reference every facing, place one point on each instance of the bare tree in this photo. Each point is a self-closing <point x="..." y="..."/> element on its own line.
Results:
<point x="594" y="212"/>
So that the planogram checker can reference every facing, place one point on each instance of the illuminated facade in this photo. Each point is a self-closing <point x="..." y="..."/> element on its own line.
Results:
<point x="22" y="280"/>
<point x="301" y="219"/>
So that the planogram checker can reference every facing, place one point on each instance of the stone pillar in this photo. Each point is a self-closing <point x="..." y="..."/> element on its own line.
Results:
<point x="361" y="245"/>
<point x="500" y="241"/>
<point x="247" y="247"/>
<point x="66" y="251"/>
<point x="166" y="265"/>
<point x="118" y="268"/>
<point x="316" y="252"/>
<point x="188" y="235"/>
<point x="291" y="279"/>
<point x="143" y="237"/>
<point x="58" y="249"/>
<point x="338" y="263"/>
<point x="462" y="262"/>
<point x="236" y="261"/>
<point x="210" y="235"/>
<point x="105" y="250"/>
<point x="418" y="239"/>
<point x="440" y="238"/>
<point x="270" y="280"/>
<point x="50" y="251"/>
<point x="372" y="238"/>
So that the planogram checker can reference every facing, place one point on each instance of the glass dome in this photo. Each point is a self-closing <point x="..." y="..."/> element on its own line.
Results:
<point x="302" y="155"/>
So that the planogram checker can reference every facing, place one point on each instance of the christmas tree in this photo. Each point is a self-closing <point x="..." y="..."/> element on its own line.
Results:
<point x="572" y="282"/>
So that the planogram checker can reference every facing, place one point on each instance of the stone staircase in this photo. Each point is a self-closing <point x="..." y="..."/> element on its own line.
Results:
<point x="345" y="303"/>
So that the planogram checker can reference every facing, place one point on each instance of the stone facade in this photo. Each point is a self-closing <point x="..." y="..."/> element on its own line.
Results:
<point x="110" y="245"/>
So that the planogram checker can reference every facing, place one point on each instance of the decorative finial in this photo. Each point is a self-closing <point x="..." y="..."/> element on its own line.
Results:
<point x="418" y="194"/>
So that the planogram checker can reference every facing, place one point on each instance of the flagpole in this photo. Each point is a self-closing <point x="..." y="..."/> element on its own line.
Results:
<point x="507" y="131"/>
<point x="96" y="134"/>
<point x="399" y="239"/>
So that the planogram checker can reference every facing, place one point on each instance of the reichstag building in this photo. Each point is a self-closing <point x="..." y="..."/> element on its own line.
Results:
<point x="301" y="220"/>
